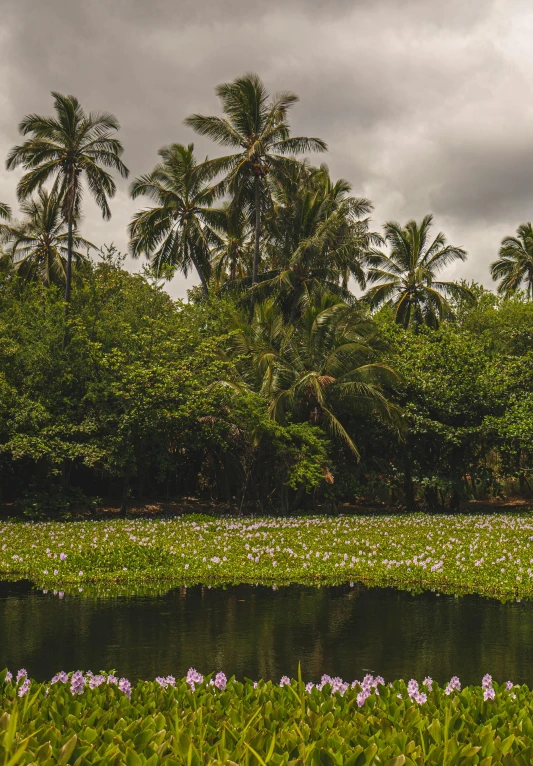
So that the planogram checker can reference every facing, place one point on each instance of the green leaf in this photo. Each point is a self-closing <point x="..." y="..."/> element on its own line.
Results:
<point x="398" y="760"/>
<point x="67" y="750"/>
<point x="132" y="759"/>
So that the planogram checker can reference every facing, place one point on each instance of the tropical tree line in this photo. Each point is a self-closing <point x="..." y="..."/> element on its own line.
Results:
<point x="260" y="219"/>
<point x="296" y="369"/>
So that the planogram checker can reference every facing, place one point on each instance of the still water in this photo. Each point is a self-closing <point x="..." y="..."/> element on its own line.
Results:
<point x="256" y="632"/>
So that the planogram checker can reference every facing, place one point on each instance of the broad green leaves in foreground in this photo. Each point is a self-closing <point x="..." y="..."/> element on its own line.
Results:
<point x="246" y="723"/>
<point x="487" y="554"/>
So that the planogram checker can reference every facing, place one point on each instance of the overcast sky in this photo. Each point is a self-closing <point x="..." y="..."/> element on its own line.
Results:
<point x="426" y="105"/>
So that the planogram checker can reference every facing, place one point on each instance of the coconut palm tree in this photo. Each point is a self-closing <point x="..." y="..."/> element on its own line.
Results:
<point x="325" y="363"/>
<point x="71" y="147"/>
<point x="407" y="274"/>
<point x="514" y="266"/>
<point x="232" y="259"/>
<point x="178" y="229"/>
<point x="319" y="237"/>
<point x="257" y="128"/>
<point x="38" y="244"/>
<point x="5" y="211"/>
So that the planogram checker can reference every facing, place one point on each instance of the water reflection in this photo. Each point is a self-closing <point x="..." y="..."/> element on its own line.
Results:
<point x="261" y="633"/>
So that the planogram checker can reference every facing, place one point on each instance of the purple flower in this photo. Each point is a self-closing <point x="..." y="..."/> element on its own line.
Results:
<point x="171" y="681"/>
<point x="309" y="687"/>
<point x="77" y="682"/>
<point x="9" y="677"/>
<point x="21" y="674"/>
<point x="412" y="688"/>
<point x="338" y="685"/>
<point x="486" y="682"/>
<point x="95" y="681"/>
<point x="428" y="683"/>
<point x="125" y="686"/>
<point x="420" y="697"/>
<point x="162" y="682"/>
<point x="62" y="556"/>
<point x="62" y="676"/>
<point x="362" y="697"/>
<point x="220" y="681"/>
<point x="489" y="693"/>
<point x="454" y="684"/>
<point x="285" y="681"/>
<point x="25" y="687"/>
<point x="111" y="679"/>
<point x="509" y="685"/>
<point x="193" y="678"/>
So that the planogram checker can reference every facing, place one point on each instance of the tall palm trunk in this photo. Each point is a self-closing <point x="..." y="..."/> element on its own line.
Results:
<point x="68" y="280"/>
<point x="69" y="264"/>
<point x="199" y="270"/>
<point x="257" y="193"/>
<point x="255" y="269"/>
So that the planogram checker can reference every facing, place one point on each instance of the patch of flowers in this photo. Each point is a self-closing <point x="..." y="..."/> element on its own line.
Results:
<point x="87" y="718"/>
<point x="487" y="554"/>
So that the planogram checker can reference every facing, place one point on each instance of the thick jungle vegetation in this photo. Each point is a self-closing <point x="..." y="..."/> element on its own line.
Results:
<point x="318" y="362"/>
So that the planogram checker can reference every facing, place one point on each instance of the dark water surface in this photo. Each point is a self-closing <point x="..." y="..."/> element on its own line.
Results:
<point x="261" y="633"/>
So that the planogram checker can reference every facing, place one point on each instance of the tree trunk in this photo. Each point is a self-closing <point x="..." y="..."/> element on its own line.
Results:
<point x="125" y="496"/>
<point x="255" y="270"/>
<point x="257" y="192"/>
<point x="200" y="274"/>
<point x="198" y="268"/>
<point x="69" y="263"/>
<point x="409" y="490"/>
<point x="68" y="279"/>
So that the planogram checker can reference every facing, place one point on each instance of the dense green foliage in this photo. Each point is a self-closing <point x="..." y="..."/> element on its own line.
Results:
<point x="134" y="399"/>
<point x="245" y="723"/>
<point x="274" y="387"/>
<point x="490" y="555"/>
<point x="157" y="398"/>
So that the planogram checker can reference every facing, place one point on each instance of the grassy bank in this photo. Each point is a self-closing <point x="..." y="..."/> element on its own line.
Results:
<point x="85" y="719"/>
<point x="487" y="554"/>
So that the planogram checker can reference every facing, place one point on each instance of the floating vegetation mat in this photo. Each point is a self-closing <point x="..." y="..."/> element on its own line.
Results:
<point x="487" y="554"/>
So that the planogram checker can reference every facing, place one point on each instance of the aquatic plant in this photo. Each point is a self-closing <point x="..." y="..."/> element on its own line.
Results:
<point x="487" y="554"/>
<point x="82" y="718"/>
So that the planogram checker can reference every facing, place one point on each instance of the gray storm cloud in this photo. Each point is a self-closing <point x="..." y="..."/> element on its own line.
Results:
<point x="426" y="106"/>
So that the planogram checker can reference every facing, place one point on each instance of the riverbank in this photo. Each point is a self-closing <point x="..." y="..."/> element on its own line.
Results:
<point x="487" y="554"/>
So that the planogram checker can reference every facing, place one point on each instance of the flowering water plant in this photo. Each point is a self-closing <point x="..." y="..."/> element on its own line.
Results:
<point x="85" y="718"/>
<point x="487" y="554"/>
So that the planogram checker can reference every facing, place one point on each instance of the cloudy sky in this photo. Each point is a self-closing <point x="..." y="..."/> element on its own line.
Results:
<point x="426" y="105"/>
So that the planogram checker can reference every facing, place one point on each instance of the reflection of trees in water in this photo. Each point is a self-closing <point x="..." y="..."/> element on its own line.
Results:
<point x="258" y="632"/>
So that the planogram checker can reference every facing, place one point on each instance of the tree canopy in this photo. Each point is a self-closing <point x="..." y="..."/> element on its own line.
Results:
<point x="319" y="361"/>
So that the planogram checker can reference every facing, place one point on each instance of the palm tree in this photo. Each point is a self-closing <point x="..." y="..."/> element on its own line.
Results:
<point x="232" y="259"/>
<point x="323" y="363"/>
<point x="178" y="229"/>
<point x="319" y="237"/>
<point x="5" y="211"/>
<point x="69" y="147"/>
<point x="407" y="274"/>
<point x="38" y="245"/>
<point x="515" y="263"/>
<point x="257" y="129"/>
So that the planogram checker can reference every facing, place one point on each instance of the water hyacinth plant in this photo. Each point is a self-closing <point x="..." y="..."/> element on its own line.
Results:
<point x="81" y="718"/>
<point x="487" y="554"/>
